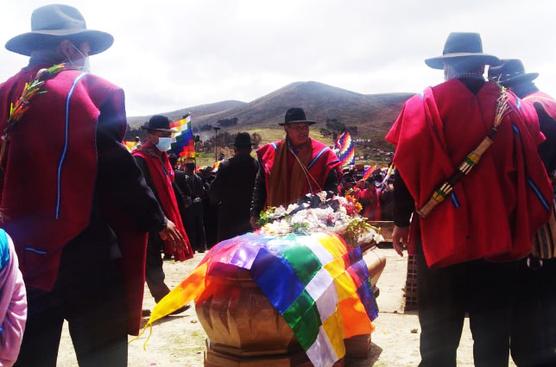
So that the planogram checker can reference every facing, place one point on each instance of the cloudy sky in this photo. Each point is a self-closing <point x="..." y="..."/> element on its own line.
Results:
<point x="170" y="54"/>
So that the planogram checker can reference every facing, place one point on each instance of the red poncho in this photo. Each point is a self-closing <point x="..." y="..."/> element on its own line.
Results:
<point x="548" y="103"/>
<point x="47" y="195"/>
<point x="162" y="177"/>
<point x="494" y="211"/>
<point x="286" y="183"/>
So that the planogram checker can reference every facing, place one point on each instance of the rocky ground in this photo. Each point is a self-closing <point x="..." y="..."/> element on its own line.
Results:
<point x="180" y="340"/>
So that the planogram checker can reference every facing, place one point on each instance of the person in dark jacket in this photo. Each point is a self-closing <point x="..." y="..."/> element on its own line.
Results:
<point x="195" y="212"/>
<point x="233" y="187"/>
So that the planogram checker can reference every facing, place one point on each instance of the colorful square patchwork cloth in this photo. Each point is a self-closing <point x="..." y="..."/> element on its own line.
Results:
<point x="317" y="282"/>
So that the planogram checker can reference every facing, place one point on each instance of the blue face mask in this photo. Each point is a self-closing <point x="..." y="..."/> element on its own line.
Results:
<point x="164" y="144"/>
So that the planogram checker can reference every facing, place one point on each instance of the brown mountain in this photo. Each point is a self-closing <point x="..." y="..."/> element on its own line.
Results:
<point x="205" y="110"/>
<point x="372" y="113"/>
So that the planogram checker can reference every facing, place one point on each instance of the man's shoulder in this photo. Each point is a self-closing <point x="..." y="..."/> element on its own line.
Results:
<point x="271" y="146"/>
<point x="319" y="146"/>
<point x="97" y="82"/>
<point x="238" y="161"/>
<point x="267" y="151"/>
<point x="22" y="75"/>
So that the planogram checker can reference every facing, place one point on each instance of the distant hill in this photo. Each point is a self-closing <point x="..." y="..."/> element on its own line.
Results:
<point x="197" y="111"/>
<point x="372" y="113"/>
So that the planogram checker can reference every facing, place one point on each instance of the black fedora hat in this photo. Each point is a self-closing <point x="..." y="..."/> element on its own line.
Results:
<point x="53" y="23"/>
<point x="158" y="123"/>
<point x="511" y="71"/>
<point x="462" y="46"/>
<point x="243" y="140"/>
<point x="296" y="115"/>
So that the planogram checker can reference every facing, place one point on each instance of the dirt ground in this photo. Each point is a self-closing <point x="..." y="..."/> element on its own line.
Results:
<point x="180" y="340"/>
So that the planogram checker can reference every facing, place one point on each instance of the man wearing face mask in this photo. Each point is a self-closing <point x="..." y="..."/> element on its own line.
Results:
<point x="152" y="159"/>
<point x="293" y="167"/>
<point x="73" y="199"/>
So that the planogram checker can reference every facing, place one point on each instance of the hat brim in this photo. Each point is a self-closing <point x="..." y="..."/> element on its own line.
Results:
<point x="527" y="77"/>
<point x="438" y="62"/>
<point x="308" y="122"/>
<point x="26" y="43"/>
<point x="161" y="130"/>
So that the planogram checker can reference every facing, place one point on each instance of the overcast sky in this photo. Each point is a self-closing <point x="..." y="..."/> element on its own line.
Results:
<point x="170" y="54"/>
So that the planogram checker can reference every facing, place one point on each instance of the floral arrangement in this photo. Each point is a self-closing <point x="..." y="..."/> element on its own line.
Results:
<point x="322" y="212"/>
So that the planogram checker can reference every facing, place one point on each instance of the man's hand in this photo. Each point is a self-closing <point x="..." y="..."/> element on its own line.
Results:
<point x="400" y="238"/>
<point x="171" y="235"/>
<point x="254" y="221"/>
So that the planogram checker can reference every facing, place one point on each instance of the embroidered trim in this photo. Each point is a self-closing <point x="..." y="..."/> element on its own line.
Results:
<point x="455" y="200"/>
<point x="65" y="149"/>
<point x="35" y="250"/>
<point x="539" y="195"/>
<point x="312" y="163"/>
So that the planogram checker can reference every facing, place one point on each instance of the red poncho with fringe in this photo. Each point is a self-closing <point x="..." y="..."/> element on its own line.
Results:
<point x="494" y="211"/>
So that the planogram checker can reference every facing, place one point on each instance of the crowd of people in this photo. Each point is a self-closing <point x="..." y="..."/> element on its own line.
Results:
<point x="471" y="198"/>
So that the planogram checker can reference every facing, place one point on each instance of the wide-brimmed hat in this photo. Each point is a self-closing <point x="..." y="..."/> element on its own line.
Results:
<point x="51" y="24"/>
<point x="511" y="71"/>
<point x="296" y="115"/>
<point x="462" y="46"/>
<point x="158" y="123"/>
<point x="243" y="140"/>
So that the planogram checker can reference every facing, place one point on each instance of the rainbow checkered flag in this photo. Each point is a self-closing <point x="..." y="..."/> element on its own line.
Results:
<point x="345" y="149"/>
<point x="318" y="283"/>
<point x="184" y="147"/>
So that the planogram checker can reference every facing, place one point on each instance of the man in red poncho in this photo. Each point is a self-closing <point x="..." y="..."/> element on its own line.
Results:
<point x="159" y="174"/>
<point x="465" y="246"/>
<point x="533" y="332"/>
<point x="293" y="167"/>
<point x="73" y="199"/>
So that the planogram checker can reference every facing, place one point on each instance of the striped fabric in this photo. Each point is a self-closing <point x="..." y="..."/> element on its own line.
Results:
<point x="544" y="242"/>
<point x="319" y="284"/>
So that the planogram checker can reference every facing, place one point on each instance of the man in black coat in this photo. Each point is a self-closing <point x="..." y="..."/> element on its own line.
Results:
<point x="194" y="219"/>
<point x="233" y="188"/>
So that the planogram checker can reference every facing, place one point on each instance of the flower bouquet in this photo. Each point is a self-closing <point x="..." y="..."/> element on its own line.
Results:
<point x="321" y="212"/>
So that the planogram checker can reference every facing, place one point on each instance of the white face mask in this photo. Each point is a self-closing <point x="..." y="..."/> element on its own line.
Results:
<point x="86" y="67"/>
<point x="164" y="144"/>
